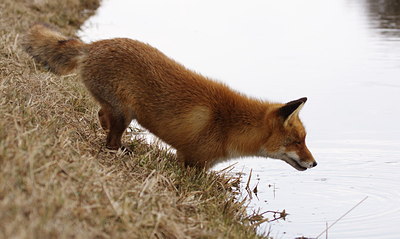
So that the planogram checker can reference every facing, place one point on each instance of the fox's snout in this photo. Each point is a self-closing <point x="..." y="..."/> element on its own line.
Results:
<point x="309" y="163"/>
<point x="297" y="162"/>
<point x="306" y="159"/>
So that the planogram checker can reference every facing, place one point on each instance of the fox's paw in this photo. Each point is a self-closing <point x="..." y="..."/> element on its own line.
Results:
<point x="121" y="150"/>
<point x="125" y="150"/>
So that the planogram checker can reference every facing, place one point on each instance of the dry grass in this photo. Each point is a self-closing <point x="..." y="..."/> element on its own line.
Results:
<point x="56" y="179"/>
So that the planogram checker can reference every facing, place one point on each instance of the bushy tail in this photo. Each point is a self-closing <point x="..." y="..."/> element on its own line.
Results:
<point x="55" y="51"/>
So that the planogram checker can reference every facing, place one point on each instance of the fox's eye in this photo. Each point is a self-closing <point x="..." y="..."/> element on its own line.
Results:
<point x="292" y="142"/>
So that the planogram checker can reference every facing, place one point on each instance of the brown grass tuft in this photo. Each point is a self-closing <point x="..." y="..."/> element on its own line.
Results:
<point x="56" y="179"/>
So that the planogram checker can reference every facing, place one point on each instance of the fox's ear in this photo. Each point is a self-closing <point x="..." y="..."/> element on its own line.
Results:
<point x="291" y="109"/>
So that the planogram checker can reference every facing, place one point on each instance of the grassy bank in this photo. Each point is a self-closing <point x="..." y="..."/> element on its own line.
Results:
<point x="56" y="178"/>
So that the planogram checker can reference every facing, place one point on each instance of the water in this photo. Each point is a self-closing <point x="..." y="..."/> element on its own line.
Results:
<point x="344" y="55"/>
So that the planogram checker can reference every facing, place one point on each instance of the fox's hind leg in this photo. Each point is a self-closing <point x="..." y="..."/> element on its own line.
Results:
<point x="113" y="116"/>
<point x="115" y="122"/>
<point x="118" y="122"/>
<point x="104" y="118"/>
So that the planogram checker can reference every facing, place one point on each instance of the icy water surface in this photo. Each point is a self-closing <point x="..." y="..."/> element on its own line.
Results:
<point x="344" y="55"/>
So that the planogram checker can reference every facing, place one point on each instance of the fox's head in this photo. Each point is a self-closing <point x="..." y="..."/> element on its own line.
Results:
<point x="287" y="139"/>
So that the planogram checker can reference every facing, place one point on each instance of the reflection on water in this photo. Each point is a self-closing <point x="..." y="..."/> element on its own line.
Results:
<point x="344" y="55"/>
<point x="386" y="16"/>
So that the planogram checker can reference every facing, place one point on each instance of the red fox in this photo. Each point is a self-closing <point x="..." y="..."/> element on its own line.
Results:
<point x="204" y="120"/>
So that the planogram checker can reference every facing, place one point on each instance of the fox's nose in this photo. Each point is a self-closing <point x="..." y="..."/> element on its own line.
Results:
<point x="314" y="164"/>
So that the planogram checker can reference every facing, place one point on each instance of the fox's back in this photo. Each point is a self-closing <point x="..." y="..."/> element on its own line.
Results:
<point x="135" y="69"/>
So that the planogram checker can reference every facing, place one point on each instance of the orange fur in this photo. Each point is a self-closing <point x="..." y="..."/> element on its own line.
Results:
<point x="204" y="120"/>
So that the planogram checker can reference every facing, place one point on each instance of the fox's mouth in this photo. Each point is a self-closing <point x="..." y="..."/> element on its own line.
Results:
<point x="292" y="162"/>
<point x="290" y="158"/>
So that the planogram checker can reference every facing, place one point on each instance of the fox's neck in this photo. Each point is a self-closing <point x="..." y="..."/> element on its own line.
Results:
<point x="249" y="128"/>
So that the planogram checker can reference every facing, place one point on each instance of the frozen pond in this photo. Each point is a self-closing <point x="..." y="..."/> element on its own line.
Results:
<point x="344" y="55"/>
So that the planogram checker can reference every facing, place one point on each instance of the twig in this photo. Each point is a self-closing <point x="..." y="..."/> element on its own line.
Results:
<point x="114" y="205"/>
<point x="341" y="217"/>
<point x="248" y="185"/>
<point x="64" y="171"/>
<point x="282" y="215"/>
<point x="326" y="235"/>
<point x="255" y="191"/>
<point x="229" y="168"/>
